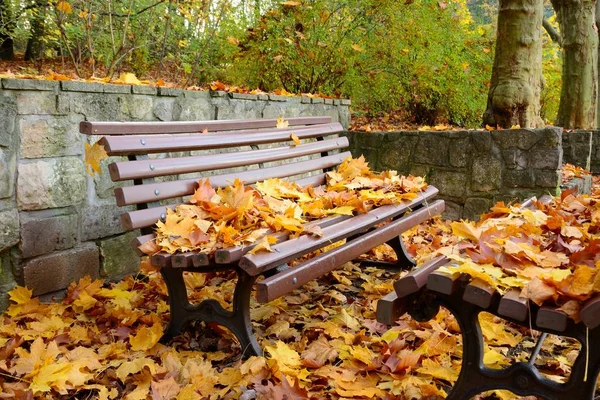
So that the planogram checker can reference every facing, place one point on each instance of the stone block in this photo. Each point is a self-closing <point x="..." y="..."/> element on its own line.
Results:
<point x="486" y="173"/>
<point x="449" y="183"/>
<point x="276" y="97"/>
<point x="264" y="97"/>
<point x="78" y="86"/>
<point x="137" y="108"/>
<point x="8" y="119"/>
<point x="197" y="94"/>
<point x="276" y="110"/>
<point x="49" y="136"/>
<point x="432" y="149"/>
<point x="103" y="185"/>
<point x="111" y="88"/>
<point x="523" y="139"/>
<point x="29" y="84"/>
<point x="395" y="157"/>
<point x="550" y="136"/>
<point x="548" y="179"/>
<point x="345" y="102"/>
<point x="305" y="100"/>
<point x="99" y="221"/>
<point x="143" y="89"/>
<point x="518" y="178"/>
<point x="170" y="92"/>
<point x="514" y="158"/>
<point x="317" y="100"/>
<point x="9" y="228"/>
<point x="217" y="93"/>
<point x="328" y="101"/>
<point x="545" y="158"/>
<point x="44" y="232"/>
<point x="243" y="96"/>
<point x="7" y="276"/>
<point x="56" y="271"/>
<point x="52" y="183"/>
<point x="36" y="103"/>
<point x="459" y="152"/>
<point x="163" y="108"/>
<point x="482" y="141"/>
<point x="474" y="207"/>
<point x="198" y="109"/>
<point x="453" y="211"/>
<point x="117" y="257"/>
<point x="344" y="116"/>
<point x="8" y="166"/>
<point x="94" y="106"/>
<point x="238" y="109"/>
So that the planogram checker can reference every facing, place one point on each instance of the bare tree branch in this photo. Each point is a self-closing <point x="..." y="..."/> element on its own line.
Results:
<point x="554" y="35"/>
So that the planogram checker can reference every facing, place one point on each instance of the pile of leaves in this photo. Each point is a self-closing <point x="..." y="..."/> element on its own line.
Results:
<point x="242" y="215"/>
<point x="570" y="171"/>
<point x="550" y="251"/>
<point x="321" y="341"/>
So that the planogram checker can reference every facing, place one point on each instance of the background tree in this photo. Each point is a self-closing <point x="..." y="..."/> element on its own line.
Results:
<point x="516" y="85"/>
<point x="579" y="39"/>
<point x="7" y="51"/>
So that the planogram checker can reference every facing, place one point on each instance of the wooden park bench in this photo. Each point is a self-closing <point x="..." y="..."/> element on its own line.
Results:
<point x="137" y="140"/>
<point x="422" y="291"/>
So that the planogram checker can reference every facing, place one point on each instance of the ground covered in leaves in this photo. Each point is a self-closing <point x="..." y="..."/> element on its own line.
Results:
<point x="321" y="341"/>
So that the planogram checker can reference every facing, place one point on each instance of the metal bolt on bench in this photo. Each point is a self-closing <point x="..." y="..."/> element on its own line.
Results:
<point x="136" y="140"/>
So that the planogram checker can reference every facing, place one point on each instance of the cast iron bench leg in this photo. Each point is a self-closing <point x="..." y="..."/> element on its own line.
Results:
<point x="404" y="261"/>
<point x="210" y="311"/>
<point x="521" y="378"/>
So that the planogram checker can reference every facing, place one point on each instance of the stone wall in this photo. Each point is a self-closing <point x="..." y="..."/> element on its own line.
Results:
<point x="472" y="169"/>
<point x="578" y="148"/>
<point x="57" y="224"/>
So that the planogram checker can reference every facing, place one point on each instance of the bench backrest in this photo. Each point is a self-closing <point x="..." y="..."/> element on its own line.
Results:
<point x="165" y="160"/>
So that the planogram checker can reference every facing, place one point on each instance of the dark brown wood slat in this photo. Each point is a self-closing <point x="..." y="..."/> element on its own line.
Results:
<point x="590" y="313"/>
<point x="234" y="254"/>
<point x="255" y="264"/>
<point x="125" y="170"/>
<point x="161" y="259"/>
<point x="136" y="145"/>
<point x="166" y="190"/>
<point x="283" y="282"/>
<point x="417" y="278"/>
<point x="551" y="318"/>
<point x="390" y="308"/>
<point x="182" y="260"/>
<point x="479" y="293"/>
<point x="443" y="282"/>
<point x="136" y="128"/>
<point x="513" y="306"/>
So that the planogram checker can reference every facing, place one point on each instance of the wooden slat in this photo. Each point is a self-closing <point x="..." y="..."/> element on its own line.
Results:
<point x="134" y="145"/>
<point x="551" y="318"/>
<point x="234" y="254"/>
<point x="443" y="282"/>
<point x="140" y="240"/>
<point x="314" y="181"/>
<point x="391" y="307"/>
<point x="168" y="190"/>
<point x="513" y="306"/>
<point x="124" y="170"/>
<point x="417" y="278"/>
<point x="281" y="283"/>
<point x="590" y="313"/>
<point x="136" y="128"/>
<point x="255" y="264"/>
<point x="479" y="293"/>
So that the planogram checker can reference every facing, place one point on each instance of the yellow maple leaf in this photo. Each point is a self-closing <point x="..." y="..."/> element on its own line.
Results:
<point x="282" y="123"/>
<point x="127" y="78"/>
<point x="94" y="154"/>
<point x="286" y="358"/>
<point x="20" y="295"/>
<point x="435" y="369"/>
<point x="134" y="366"/>
<point x="264" y="244"/>
<point x="146" y="337"/>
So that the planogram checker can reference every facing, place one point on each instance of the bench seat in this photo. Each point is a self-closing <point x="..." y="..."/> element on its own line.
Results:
<point x="161" y="164"/>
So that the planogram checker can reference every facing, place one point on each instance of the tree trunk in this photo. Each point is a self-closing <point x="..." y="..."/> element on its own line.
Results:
<point x="514" y="96"/>
<point x="7" y="51"/>
<point x="576" y="19"/>
<point x="598" y="67"/>
<point x="35" y="46"/>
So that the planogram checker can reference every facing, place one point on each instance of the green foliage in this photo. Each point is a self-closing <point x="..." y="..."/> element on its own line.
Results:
<point x="552" y="70"/>
<point x="431" y="59"/>
<point x="426" y="56"/>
